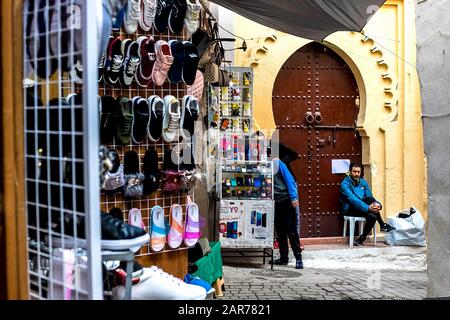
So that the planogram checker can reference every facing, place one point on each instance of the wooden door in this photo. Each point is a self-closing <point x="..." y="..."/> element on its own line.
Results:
<point x="315" y="105"/>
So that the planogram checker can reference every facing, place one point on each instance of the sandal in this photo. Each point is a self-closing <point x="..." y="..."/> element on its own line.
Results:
<point x="158" y="230"/>
<point x="192" y="227"/>
<point x="175" y="236"/>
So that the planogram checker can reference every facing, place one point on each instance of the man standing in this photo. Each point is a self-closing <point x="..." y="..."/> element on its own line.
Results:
<point x="286" y="205"/>
<point x="357" y="201"/>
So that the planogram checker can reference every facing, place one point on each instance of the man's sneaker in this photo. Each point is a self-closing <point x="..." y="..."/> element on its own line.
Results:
<point x="157" y="111"/>
<point x="113" y="62"/>
<point x="131" y="62"/>
<point x="163" y="9"/>
<point x="176" y="16"/>
<point x="189" y="115"/>
<point x="76" y="72"/>
<point x="188" y="278"/>
<point x="387" y="228"/>
<point x="109" y="119"/>
<point x="132" y="16"/>
<point x="141" y="117"/>
<point x="190" y="64"/>
<point x="280" y="262"/>
<point x="299" y="264"/>
<point x="148" y="14"/>
<point x="171" y="122"/>
<point x="146" y="53"/>
<point x="125" y="121"/>
<point x="176" y="69"/>
<point x="155" y="284"/>
<point x="358" y="242"/>
<point x="101" y="62"/>
<point x="164" y="60"/>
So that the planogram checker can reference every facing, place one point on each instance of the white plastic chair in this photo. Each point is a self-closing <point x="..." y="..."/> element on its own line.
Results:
<point x="352" y="221"/>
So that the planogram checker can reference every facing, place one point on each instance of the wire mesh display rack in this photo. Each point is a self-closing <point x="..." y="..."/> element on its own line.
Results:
<point x="61" y="151"/>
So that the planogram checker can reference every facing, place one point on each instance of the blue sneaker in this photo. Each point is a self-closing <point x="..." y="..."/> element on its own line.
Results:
<point x="190" y="279"/>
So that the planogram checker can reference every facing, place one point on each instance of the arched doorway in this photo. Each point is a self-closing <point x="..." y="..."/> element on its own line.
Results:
<point x="315" y="104"/>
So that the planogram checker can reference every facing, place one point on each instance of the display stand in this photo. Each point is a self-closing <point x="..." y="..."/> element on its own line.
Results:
<point x="241" y="176"/>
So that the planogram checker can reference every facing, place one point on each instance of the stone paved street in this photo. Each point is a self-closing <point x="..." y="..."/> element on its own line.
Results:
<point x="367" y="276"/>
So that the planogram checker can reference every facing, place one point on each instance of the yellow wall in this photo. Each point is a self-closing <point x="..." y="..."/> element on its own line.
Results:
<point x="383" y="62"/>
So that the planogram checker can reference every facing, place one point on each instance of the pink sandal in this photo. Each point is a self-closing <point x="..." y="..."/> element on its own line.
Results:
<point x="192" y="226"/>
<point x="175" y="236"/>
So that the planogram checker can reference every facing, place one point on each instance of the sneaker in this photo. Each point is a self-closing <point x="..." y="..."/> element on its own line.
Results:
<point x="151" y="171"/>
<point x="132" y="16"/>
<point x="115" y="234"/>
<point x="146" y="53"/>
<point x="125" y="121"/>
<point x="192" y="16"/>
<point x="176" y="69"/>
<point x="76" y="72"/>
<point x="299" y="264"/>
<point x="189" y="115"/>
<point x="164" y="60"/>
<point x="113" y="62"/>
<point x="199" y="282"/>
<point x="148" y="14"/>
<point x="101" y="63"/>
<point x="280" y="262"/>
<point x="163" y="10"/>
<point x="177" y="15"/>
<point x="141" y="117"/>
<point x="131" y="62"/>
<point x="358" y="242"/>
<point x="171" y="122"/>
<point x="157" y="111"/>
<point x="387" y="228"/>
<point x="109" y="119"/>
<point x="190" y="64"/>
<point x="155" y="284"/>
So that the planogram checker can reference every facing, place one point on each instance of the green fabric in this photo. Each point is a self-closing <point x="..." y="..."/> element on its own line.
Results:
<point x="210" y="266"/>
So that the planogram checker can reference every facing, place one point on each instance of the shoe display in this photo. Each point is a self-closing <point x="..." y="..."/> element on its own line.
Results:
<point x="132" y="16"/>
<point x="163" y="62"/>
<point x="190" y="64"/>
<point x="192" y="17"/>
<point x="131" y="61"/>
<point x="141" y="119"/>
<point x="190" y="111"/>
<point x="114" y="60"/>
<point x="171" y="122"/>
<point x="148" y="14"/>
<point x="146" y="53"/>
<point x="163" y="10"/>
<point x="190" y="279"/>
<point x="125" y="121"/>
<point x="176" y="69"/>
<point x="155" y="284"/>
<point x="109" y="119"/>
<point x="177" y="15"/>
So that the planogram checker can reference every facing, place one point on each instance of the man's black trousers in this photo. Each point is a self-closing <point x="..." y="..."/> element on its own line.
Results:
<point x="286" y="227"/>
<point x="371" y="217"/>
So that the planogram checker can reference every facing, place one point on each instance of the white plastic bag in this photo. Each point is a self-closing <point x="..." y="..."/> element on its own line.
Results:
<point x="409" y="231"/>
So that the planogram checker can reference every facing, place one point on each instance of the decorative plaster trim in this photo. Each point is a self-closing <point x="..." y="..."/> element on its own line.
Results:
<point x="391" y="88"/>
<point x="259" y="50"/>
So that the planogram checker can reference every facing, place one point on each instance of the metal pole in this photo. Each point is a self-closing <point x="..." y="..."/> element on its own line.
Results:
<point x="91" y="146"/>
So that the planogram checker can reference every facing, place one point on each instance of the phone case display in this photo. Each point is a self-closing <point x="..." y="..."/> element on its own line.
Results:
<point x="246" y="224"/>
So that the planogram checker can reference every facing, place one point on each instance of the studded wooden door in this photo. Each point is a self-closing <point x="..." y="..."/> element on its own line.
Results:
<point x="315" y="103"/>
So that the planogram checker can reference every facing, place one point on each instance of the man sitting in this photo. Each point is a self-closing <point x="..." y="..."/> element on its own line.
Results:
<point x="357" y="201"/>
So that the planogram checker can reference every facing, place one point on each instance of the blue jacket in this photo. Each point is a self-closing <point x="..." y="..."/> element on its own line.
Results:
<point x="284" y="183"/>
<point x="352" y="194"/>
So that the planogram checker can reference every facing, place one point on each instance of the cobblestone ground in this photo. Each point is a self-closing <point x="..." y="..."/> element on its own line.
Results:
<point x="256" y="282"/>
<point x="286" y="283"/>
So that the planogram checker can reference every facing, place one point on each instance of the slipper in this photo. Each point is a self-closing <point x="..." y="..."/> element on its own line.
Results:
<point x="192" y="227"/>
<point x="175" y="236"/>
<point x="135" y="218"/>
<point x="158" y="229"/>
